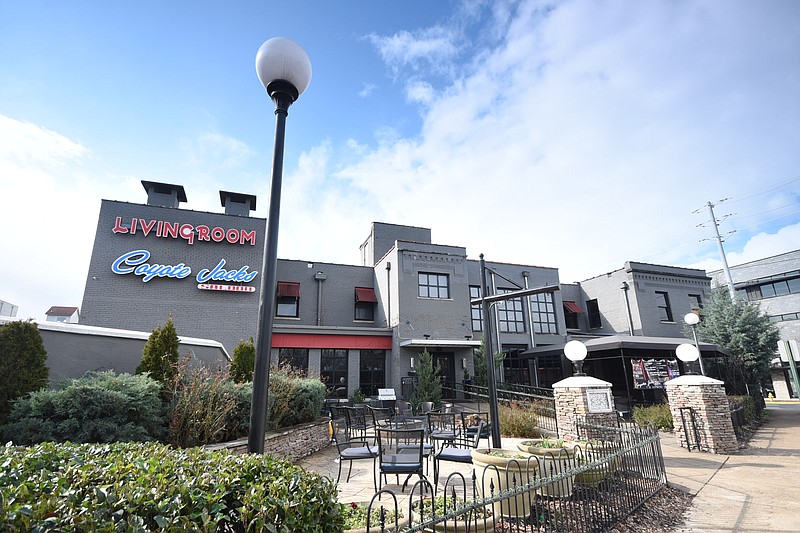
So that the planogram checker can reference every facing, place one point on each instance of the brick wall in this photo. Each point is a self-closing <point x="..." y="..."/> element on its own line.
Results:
<point x="711" y="414"/>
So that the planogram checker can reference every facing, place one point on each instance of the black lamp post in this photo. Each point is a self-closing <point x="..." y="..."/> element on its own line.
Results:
<point x="285" y="72"/>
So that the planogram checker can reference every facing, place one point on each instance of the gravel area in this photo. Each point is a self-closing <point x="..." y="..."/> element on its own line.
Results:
<point x="660" y="514"/>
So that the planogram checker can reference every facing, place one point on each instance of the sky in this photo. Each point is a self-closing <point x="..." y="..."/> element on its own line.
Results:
<point x="570" y="134"/>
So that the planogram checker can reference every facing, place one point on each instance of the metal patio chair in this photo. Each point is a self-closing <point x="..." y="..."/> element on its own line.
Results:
<point x="457" y="451"/>
<point x="400" y="451"/>
<point x="352" y="450"/>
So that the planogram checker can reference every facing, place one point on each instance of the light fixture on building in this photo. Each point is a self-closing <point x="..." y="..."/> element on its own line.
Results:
<point x="576" y="352"/>
<point x="688" y="353"/>
<point x="285" y="72"/>
<point x="692" y="319"/>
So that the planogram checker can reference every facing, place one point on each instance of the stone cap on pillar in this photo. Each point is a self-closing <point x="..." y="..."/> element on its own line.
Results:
<point x="580" y="382"/>
<point x="692" y="379"/>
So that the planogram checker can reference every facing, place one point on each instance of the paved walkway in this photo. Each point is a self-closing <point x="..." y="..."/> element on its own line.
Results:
<point x="753" y="491"/>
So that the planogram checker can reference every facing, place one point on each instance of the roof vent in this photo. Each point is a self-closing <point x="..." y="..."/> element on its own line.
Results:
<point x="237" y="203"/>
<point x="164" y="194"/>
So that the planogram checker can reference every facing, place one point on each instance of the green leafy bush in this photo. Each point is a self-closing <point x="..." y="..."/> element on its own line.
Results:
<point x="100" y="407"/>
<point x="149" y="486"/>
<point x="293" y="398"/>
<point x="200" y="406"/>
<point x="238" y="423"/>
<point x="22" y="363"/>
<point x="657" y="415"/>
<point x="518" y="420"/>
<point x="244" y="360"/>
<point x="160" y="354"/>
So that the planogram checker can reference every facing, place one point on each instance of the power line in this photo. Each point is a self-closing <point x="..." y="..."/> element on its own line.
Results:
<point x="766" y="191"/>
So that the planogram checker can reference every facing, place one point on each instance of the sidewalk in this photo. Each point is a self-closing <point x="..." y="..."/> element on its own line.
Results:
<point x="754" y="490"/>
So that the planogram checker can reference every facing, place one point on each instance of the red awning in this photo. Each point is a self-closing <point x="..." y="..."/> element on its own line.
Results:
<point x="288" y="290"/>
<point x="572" y="307"/>
<point x="366" y="294"/>
<point x="353" y="342"/>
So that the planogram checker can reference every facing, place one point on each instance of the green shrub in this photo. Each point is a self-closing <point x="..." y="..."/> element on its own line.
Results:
<point x="657" y="415"/>
<point x="200" y="405"/>
<point x="160" y="354"/>
<point x="238" y="423"/>
<point x="100" y="407"/>
<point x="518" y="420"/>
<point x="244" y="360"/>
<point x="429" y="384"/>
<point x="148" y="487"/>
<point x="22" y="363"/>
<point x="293" y="398"/>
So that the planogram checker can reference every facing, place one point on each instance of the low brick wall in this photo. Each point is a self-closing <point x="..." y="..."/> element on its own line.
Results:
<point x="288" y="443"/>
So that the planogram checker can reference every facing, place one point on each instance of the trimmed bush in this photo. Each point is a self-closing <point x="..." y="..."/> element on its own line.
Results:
<point x="160" y="354"/>
<point x="100" y="407"/>
<point x="293" y="399"/>
<point x="148" y="487"/>
<point x="22" y="363"/>
<point x="244" y="360"/>
<point x="751" y="412"/>
<point x="657" y="415"/>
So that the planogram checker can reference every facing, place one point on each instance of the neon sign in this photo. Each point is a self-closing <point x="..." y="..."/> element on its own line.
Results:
<point x="136" y="262"/>
<point x="174" y="230"/>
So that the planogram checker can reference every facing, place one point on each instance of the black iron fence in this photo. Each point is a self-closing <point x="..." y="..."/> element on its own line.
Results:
<point x="586" y="486"/>
<point x="537" y="399"/>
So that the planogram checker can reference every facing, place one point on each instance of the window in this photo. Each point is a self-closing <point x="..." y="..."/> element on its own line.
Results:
<point x="365" y="304"/>
<point x="477" y="309"/>
<point x="770" y="290"/>
<point x="510" y="315"/>
<point x="571" y="312"/>
<point x="515" y="368"/>
<point x="784" y="317"/>
<point x="593" y="313"/>
<point x="295" y="357"/>
<point x="333" y="371"/>
<point x="695" y="302"/>
<point x="664" y="310"/>
<point x="543" y="313"/>
<point x="372" y="371"/>
<point x="288" y="300"/>
<point x="434" y="285"/>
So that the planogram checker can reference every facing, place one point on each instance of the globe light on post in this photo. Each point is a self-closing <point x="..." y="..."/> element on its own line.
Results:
<point x="688" y="353"/>
<point x="692" y="319"/>
<point x="284" y="70"/>
<point x="576" y="352"/>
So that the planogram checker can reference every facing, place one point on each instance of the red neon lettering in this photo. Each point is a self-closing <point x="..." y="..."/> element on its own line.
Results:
<point x="248" y="236"/>
<point x="118" y="227"/>
<point x="170" y="230"/>
<point x="202" y="233"/>
<point x="146" y="226"/>
<point x="232" y="235"/>
<point x="217" y="234"/>
<point x="187" y="232"/>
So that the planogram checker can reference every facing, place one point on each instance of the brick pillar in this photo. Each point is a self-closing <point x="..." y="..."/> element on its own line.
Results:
<point x="706" y="396"/>
<point x="586" y="400"/>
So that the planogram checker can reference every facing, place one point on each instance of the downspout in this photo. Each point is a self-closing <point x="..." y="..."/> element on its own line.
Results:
<point x="625" y="287"/>
<point x="496" y="318"/>
<point x="388" y="294"/>
<point x="527" y="301"/>
<point x="320" y="277"/>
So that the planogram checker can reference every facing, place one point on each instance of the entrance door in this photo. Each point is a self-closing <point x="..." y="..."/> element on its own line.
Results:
<point x="445" y="360"/>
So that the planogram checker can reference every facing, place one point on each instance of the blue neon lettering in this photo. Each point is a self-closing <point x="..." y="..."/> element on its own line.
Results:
<point x="218" y="273"/>
<point x="135" y="262"/>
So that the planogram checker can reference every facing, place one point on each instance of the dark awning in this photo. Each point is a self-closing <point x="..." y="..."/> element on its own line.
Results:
<point x="572" y="307"/>
<point x="288" y="290"/>
<point x="618" y="342"/>
<point x="366" y="294"/>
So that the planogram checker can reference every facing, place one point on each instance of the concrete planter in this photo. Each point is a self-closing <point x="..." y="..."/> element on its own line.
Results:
<point x="553" y="460"/>
<point x="499" y="470"/>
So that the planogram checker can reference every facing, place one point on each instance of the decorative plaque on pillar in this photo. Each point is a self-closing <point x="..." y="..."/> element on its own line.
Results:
<point x="599" y="401"/>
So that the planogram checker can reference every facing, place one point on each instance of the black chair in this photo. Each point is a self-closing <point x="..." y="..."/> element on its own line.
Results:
<point x="352" y="450"/>
<point x="442" y="428"/>
<point x="400" y="451"/>
<point x="403" y="408"/>
<point x="457" y="451"/>
<point x="471" y="421"/>
<point x="380" y="416"/>
<point x="358" y="426"/>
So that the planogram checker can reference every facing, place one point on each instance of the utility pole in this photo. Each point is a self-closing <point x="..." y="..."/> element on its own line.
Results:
<point x="725" y="267"/>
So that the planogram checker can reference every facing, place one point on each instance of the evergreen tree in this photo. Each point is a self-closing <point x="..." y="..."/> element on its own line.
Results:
<point x="244" y="360"/>
<point x="739" y="328"/>
<point x="479" y="364"/>
<point x="160" y="354"/>
<point x="429" y="387"/>
<point x="22" y="363"/>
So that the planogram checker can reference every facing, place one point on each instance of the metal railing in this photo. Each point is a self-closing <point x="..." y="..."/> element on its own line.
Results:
<point x="587" y="487"/>
<point x="539" y="400"/>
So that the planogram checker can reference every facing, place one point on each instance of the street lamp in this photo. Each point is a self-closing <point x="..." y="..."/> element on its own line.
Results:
<point x="285" y="72"/>
<point x="576" y="352"/>
<point x="688" y="353"/>
<point x="692" y="320"/>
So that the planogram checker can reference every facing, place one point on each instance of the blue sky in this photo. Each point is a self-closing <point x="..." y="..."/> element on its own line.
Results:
<point x="575" y="134"/>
